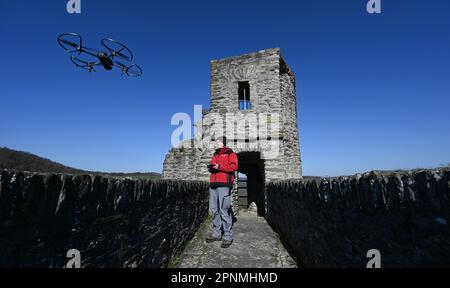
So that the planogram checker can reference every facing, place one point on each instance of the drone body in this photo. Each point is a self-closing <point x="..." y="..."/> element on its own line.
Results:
<point x="73" y="43"/>
<point x="105" y="60"/>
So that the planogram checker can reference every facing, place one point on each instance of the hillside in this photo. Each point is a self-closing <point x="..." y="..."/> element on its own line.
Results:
<point x="24" y="161"/>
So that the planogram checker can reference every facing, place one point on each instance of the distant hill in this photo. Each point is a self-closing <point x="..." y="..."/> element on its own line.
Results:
<point x="24" y="161"/>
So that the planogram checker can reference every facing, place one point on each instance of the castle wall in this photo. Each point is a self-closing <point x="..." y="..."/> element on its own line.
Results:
<point x="112" y="222"/>
<point x="334" y="222"/>
<point x="292" y="157"/>
<point x="260" y="69"/>
<point x="324" y="222"/>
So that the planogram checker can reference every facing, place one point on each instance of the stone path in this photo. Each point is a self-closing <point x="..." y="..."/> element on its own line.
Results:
<point x="255" y="245"/>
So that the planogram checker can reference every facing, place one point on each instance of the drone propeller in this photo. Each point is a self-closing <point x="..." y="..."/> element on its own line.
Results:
<point x="84" y="64"/>
<point x="132" y="70"/>
<point x="119" y="53"/>
<point x="70" y="41"/>
<point x="117" y="49"/>
<point x="90" y="68"/>
<point x="65" y="41"/>
<point x="72" y="44"/>
<point x="122" y="67"/>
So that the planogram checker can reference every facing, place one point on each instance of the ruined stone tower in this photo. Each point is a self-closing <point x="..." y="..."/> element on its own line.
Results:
<point x="253" y="103"/>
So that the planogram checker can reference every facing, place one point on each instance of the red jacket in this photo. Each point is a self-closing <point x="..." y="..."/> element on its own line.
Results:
<point x="228" y="164"/>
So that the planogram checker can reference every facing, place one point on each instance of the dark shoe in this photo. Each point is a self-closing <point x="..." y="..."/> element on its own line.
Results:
<point x="226" y="243"/>
<point x="210" y="239"/>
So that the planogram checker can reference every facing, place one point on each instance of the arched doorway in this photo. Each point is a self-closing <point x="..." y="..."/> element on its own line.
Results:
<point x="251" y="164"/>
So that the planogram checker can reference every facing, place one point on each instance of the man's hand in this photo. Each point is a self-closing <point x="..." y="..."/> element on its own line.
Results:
<point x="213" y="168"/>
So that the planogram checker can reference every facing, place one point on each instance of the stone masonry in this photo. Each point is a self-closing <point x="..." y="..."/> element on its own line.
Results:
<point x="334" y="222"/>
<point x="269" y="127"/>
<point x="112" y="222"/>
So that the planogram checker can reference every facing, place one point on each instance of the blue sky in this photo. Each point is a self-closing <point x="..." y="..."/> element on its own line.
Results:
<point x="373" y="91"/>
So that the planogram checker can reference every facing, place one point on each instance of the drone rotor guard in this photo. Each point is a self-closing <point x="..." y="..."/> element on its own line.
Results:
<point x="84" y="64"/>
<point x="71" y="46"/>
<point x="117" y="49"/>
<point x="132" y="70"/>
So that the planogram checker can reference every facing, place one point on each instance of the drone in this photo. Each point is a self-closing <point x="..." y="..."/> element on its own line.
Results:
<point x="88" y="58"/>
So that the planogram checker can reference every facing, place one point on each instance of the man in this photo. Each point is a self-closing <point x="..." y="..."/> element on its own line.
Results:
<point x="222" y="167"/>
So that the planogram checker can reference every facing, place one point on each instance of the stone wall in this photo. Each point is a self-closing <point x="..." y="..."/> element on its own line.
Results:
<point x="292" y="157"/>
<point x="113" y="222"/>
<point x="333" y="222"/>
<point x="260" y="69"/>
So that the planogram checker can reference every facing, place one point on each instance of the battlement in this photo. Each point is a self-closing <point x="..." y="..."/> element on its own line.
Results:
<point x="253" y="55"/>
<point x="325" y="222"/>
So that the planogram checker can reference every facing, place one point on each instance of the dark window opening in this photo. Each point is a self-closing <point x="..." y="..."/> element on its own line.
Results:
<point x="244" y="95"/>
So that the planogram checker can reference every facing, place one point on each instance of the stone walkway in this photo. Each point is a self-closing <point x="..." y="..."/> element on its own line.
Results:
<point x="255" y="245"/>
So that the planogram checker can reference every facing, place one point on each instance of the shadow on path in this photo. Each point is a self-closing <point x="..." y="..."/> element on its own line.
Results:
<point x="255" y="245"/>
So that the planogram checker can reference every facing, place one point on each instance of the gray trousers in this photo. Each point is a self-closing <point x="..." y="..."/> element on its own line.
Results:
<point x="220" y="204"/>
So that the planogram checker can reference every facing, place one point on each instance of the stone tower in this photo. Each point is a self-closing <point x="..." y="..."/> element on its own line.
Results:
<point x="253" y="103"/>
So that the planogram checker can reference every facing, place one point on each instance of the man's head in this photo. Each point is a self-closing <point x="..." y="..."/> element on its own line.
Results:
<point x="220" y="142"/>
